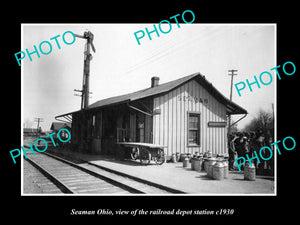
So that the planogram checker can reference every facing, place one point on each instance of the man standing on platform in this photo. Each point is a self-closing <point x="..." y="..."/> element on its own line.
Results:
<point x="232" y="152"/>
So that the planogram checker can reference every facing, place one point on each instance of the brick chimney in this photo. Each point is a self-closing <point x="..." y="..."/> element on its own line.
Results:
<point x="154" y="81"/>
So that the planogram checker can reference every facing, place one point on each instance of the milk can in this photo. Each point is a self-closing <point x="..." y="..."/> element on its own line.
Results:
<point x="177" y="156"/>
<point x="225" y="164"/>
<point x="218" y="170"/>
<point x="249" y="172"/>
<point x="182" y="157"/>
<point x="211" y="162"/>
<point x="173" y="158"/>
<point x="189" y="156"/>
<point x="196" y="164"/>
<point x="200" y="157"/>
<point x="185" y="162"/>
<point x="192" y="161"/>
<point x="205" y="164"/>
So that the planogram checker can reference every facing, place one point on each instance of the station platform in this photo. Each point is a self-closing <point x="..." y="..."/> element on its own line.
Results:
<point x="174" y="176"/>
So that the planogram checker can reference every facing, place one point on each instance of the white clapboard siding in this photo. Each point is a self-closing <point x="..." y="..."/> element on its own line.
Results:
<point x="170" y="126"/>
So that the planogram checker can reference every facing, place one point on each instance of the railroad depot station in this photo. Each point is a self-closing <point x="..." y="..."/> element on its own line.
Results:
<point x="186" y="115"/>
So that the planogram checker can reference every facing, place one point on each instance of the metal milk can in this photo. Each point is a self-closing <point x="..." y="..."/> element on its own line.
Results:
<point x="177" y="156"/>
<point x="197" y="164"/>
<point x="211" y="162"/>
<point x="205" y="164"/>
<point x="182" y="157"/>
<point x="226" y="171"/>
<point x="185" y="162"/>
<point x="192" y="161"/>
<point x="200" y="157"/>
<point x="173" y="158"/>
<point x="201" y="161"/>
<point x="218" y="170"/>
<point x="249" y="172"/>
<point x="189" y="156"/>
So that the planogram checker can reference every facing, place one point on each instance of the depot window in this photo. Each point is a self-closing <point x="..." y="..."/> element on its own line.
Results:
<point x="193" y="129"/>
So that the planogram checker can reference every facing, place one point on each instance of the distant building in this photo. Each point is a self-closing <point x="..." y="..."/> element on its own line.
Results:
<point x="186" y="115"/>
<point x="30" y="131"/>
<point x="56" y="126"/>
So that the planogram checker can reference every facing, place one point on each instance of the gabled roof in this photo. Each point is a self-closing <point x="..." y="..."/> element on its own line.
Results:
<point x="232" y="108"/>
<point x="56" y="126"/>
<point x="160" y="89"/>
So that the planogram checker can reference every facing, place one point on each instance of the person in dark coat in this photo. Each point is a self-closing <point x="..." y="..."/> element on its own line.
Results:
<point x="240" y="148"/>
<point x="246" y="142"/>
<point x="259" y="142"/>
<point x="269" y="139"/>
<point x="251" y="143"/>
<point x="232" y="152"/>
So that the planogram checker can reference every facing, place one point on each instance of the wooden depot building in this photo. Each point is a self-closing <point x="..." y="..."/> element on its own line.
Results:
<point x="186" y="115"/>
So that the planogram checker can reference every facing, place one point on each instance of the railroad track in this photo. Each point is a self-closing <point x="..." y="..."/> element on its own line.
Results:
<point x="86" y="178"/>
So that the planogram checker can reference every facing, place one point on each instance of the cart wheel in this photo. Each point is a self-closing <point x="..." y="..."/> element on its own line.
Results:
<point x="145" y="156"/>
<point x="134" y="153"/>
<point x="160" y="158"/>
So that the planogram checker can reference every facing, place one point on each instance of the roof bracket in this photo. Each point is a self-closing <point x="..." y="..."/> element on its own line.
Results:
<point x="66" y="118"/>
<point x="239" y="119"/>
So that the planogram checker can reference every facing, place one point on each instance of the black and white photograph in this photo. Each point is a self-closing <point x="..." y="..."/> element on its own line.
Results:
<point x="150" y="113"/>
<point x="107" y="110"/>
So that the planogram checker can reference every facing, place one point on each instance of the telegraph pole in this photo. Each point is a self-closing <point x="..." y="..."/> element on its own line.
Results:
<point x="231" y="73"/>
<point x="85" y="92"/>
<point x="81" y="95"/>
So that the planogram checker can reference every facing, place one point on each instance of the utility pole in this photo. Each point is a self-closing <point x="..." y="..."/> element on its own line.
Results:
<point x="81" y="95"/>
<point x="232" y="73"/>
<point x="86" y="68"/>
<point x="38" y="120"/>
<point x="273" y="111"/>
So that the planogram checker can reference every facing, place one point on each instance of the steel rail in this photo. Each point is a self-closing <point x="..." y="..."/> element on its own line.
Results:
<point x="140" y="180"/>
<point x="107" y="179"/>
<point x="63" y="187"/>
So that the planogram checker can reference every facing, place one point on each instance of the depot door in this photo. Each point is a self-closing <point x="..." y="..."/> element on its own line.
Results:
<point x="140" y="127"/>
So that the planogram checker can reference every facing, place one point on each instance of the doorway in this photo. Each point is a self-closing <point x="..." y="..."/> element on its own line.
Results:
<point x="140" y="129"/>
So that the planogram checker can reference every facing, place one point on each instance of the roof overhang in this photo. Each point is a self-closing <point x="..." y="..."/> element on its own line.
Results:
<point x="67" y="117"/>
<point x="233" y="109"/>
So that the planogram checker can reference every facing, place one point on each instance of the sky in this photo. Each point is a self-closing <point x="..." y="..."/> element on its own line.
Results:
<point x="121" y="66"/>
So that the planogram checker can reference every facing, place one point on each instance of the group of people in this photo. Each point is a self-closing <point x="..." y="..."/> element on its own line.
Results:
<point x="242" y="143"/>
